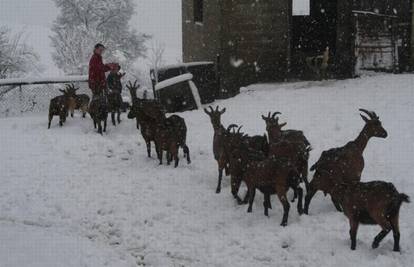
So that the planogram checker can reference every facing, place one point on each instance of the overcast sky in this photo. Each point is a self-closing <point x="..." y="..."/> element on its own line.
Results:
<point x="160" y="18"/>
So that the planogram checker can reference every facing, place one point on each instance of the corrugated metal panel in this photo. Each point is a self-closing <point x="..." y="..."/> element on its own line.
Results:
<point x="375" y="44"/>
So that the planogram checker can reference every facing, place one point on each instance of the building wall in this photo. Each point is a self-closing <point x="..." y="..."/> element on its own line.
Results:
<point x="250" y="37"/>
<point x="255" y="42"/>
<point x="201" y="41"/>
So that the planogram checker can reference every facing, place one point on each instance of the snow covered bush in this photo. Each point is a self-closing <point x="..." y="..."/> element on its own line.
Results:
<point x="83" y="23"/>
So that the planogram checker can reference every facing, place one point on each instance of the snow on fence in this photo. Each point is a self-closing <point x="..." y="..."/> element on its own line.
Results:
<point x="50" y="80"/>
<point x="36" y="94"/>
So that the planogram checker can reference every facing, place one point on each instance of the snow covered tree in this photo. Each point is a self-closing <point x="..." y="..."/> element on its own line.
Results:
<point x="83" y="23"/>
<point x="16" y="56"/>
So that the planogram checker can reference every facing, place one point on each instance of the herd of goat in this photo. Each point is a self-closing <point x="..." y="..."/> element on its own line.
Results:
<point x="272" y="163"/>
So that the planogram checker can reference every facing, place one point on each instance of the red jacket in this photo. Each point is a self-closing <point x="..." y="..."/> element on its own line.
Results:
<point x="97" y="79"/>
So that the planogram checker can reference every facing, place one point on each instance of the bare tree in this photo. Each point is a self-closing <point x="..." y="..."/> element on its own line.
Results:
<point x="156" y="57"/>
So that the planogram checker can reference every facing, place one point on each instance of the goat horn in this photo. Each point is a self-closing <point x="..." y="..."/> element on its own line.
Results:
<point x="369" y="113"/>
<point x="211" y="108"/>
<point x="238" y="130"/>
<point x="217" y="108"/>
<point x="231" y="126"/>
<point x="276" y="113"/>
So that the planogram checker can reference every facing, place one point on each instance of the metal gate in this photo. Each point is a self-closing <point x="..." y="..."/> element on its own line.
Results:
<point x="376" y="45"/>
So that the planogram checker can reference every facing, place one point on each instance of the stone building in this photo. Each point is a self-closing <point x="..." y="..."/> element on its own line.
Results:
<point x="262" y="41"/>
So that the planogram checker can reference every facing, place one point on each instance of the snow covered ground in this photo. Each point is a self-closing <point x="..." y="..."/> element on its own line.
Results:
<point x="69" y="197"/>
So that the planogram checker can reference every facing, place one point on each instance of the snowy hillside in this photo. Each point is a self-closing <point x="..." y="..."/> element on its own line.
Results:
<point x="70" y="197"/>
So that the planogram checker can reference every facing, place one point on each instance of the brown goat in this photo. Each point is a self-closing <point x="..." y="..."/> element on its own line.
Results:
<point x="58" y="107"/>
<point x="270" y="176"/>
<point x="145" y="112"/>
<point x="239" y="153"/>
<point x="293" y="154"/>
<point x="374" y="202"/>
<point x="70" y="94"/>
<point x="98" y="110"/>
<point x="298" y="144"/>
<point x="76" y="101"/>
<point x="344" y="164"/>
<point x="218" y="142"/>
<point x="170" y="135"/>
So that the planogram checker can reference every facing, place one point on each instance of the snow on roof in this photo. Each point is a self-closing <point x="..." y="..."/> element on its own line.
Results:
<point x="363" y="12"/>
<point x="43" y="80"/>
<point x="172" y="81"/>
<point x="185" y="65"/>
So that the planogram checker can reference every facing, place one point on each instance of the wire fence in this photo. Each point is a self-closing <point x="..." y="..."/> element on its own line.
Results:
<point x="19" y="99"/>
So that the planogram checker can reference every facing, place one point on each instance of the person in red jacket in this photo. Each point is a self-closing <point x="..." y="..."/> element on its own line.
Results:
<point x="97" y="69"/>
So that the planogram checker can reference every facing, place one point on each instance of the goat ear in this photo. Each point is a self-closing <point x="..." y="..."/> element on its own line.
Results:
<point x="62" y="91"/>
<point x="364" y="118"/>
<point x="282" y="125"/>
<point x="223" y="111"/>
<point x="206" y="111"/>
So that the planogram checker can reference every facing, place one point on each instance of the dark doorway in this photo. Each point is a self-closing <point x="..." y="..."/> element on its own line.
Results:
<point x="312" y="34"/>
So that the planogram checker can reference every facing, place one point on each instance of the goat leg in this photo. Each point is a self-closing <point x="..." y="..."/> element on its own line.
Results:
<point x="176" y="159"/>
<point x="295" y="194"/>
<point x="99" y="127"/>
<point x="266" y="204"/>
<point x="353" y="231"/>
<point x="50" y="121"/>
<point x="309" y="195"/>
<point x="119" y="116"/>
<point x="187" y="153"/>
<point x="159" y="153"/>
<point x="252" y="193"/>
<point x="396" y="233"/>
<point x="148" y="148"/>
<point x="105" y="122"/>
<point x="286" y="206"/>
<point x="113" y="118"/>
<point x="220" y="177"/>
<point x="235" y="186"/>
<point x="300" y="197"/>
<point x="379" y="238"/>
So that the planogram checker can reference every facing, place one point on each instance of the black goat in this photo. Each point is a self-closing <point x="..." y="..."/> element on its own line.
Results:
<point x="98" y="109"/>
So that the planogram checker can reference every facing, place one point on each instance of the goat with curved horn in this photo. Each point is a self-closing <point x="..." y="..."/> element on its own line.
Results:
<point x="219" y="140"/>
<point x="371" y="114"/>
<point x="275" y="114"/>
<point x="346" y="163"/>
<point x="231" y="127"/>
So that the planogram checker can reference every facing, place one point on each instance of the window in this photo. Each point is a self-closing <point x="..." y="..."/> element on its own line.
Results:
<point x="198" y="10"/>
<point x="301" y="8"/>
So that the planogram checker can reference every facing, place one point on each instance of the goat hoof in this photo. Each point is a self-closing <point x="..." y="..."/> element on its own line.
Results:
<point x="300" y="212"/>
<point x="249" y="210"/>
<point x="218" y="190"/>
<point x="284" y="224"/>
<point x="375" y="245"/>
<point x="396" y="249"/>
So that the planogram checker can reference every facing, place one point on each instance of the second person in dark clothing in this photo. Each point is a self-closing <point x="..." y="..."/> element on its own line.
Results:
<point x="114" y="93"/>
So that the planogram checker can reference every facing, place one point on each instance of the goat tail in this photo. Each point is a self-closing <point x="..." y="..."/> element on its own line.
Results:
<point x="395" y="205"/>
<point x="314" y="166"/>
<point x="404" y="198"/>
